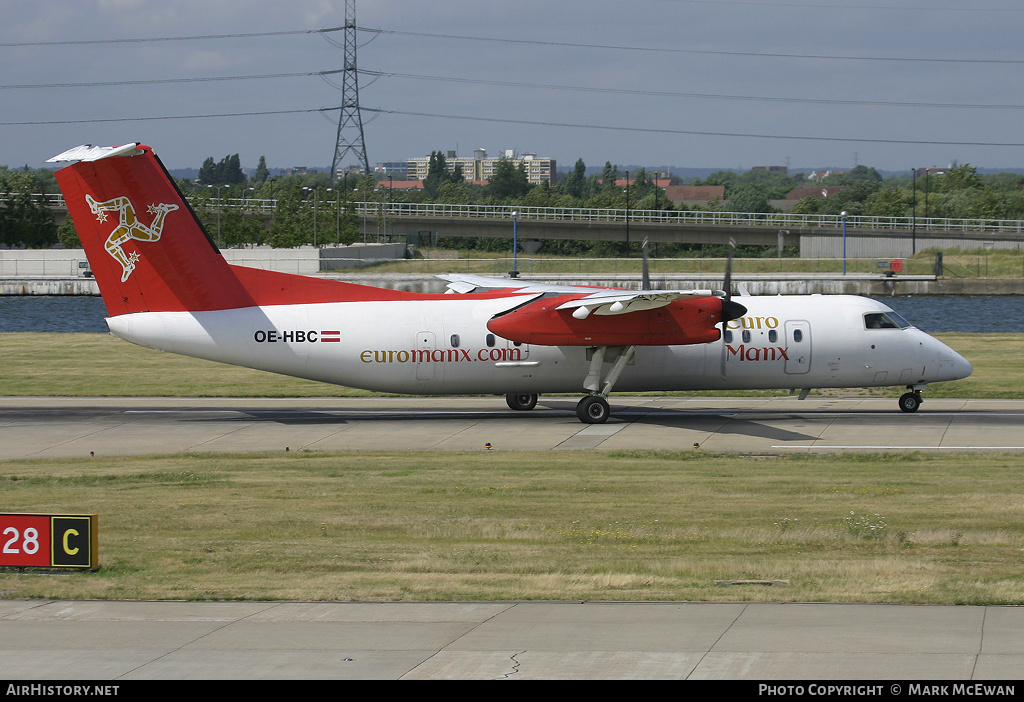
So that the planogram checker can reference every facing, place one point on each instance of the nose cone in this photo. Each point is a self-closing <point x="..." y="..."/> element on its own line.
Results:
<point x="961" y="366"/>
<point x="952" y="366"/>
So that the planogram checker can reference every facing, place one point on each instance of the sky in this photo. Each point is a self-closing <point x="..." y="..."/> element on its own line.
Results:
<point x="809" y="84"/>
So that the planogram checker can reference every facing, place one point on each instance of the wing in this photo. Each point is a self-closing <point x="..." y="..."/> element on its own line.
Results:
<point x="464" y="283"/>
<point x="602" y="301"/>
<point x="569" y="315"/>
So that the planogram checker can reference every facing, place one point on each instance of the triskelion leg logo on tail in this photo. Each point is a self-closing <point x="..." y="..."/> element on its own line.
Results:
<point x="128" y="227"/>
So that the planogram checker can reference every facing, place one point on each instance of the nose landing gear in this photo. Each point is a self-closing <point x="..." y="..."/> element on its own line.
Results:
<point x="911" y="401"/>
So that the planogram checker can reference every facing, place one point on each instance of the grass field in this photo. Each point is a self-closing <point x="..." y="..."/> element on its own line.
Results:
<point x="908" y="528"/>
<point x="551" y="525"/>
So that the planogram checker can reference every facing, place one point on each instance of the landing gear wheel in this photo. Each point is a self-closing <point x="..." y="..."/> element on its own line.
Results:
<point x="593" y="409"/>
<point x="521" y="401"/>
<point x="910" y="402"/>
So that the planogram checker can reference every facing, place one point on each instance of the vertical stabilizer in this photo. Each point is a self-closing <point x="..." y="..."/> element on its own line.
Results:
<point x="145" y="246"/>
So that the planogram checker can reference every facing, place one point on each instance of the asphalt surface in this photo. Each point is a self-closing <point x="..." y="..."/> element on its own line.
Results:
<point x="509" y="640"/>
<point x="121" y="641"/>
<point x="68" y="427"/>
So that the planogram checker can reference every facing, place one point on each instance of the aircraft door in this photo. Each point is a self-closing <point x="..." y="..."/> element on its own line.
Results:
<point x="424" y="348"/>
<point x="516" y="351"/>
<point x="798" y="339"/>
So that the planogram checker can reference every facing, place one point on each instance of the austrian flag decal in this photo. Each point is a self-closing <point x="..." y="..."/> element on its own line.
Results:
<point x="273" y="336"/>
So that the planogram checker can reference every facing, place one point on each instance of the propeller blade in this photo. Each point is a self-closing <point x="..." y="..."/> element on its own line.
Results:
<point x="646" y="269"/>
<point x="730" y="310"/>
<point x="727" y="285"/>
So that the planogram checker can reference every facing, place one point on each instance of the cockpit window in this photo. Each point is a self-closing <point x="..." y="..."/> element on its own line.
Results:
<point x="885" y="320"/>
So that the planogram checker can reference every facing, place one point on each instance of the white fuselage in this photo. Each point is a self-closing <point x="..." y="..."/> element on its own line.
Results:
<point x="444" y="347"/>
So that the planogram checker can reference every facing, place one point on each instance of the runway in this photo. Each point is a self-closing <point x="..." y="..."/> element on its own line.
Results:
<point x="817" y="643"/>
<point x="69" y="427"/>
<point x="122" y="641"/>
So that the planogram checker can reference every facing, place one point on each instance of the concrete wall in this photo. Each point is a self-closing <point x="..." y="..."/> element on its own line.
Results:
<point x="360" y="255"/>
<point x="304" y="260"/>
<point x="831" y="246"/>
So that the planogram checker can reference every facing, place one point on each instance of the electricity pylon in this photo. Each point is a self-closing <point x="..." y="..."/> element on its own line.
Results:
<point x="350" y="122"/>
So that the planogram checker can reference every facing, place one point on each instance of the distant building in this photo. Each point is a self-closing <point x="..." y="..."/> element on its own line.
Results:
<point x="801" y="191"/>
<point x="406" y="185"/>
<point x="695" y="194"/>
<point x="934" y="170"/>
<point x="394" y="167"/>
<point x="819" y="175"/>
<point x="480" y="167"/>
<point x="772" y="169"/>
<point x="818" y="191"/>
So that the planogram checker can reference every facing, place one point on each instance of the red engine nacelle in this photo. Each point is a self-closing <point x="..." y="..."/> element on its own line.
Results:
<point x="684" y="321"/>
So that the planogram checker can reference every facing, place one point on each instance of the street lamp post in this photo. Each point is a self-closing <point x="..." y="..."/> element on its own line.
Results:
<point x="514" y="273"/>
<point x="314" y="213"/>
<point x="627" y="214"/>
<point x="220" y="206"/>
<point x="844" y="213"/>
<point x="913" y="220"/>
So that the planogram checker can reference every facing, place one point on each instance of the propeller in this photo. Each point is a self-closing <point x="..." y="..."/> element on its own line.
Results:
<point x="646" y="282"/>
<point x="730" y="310"/>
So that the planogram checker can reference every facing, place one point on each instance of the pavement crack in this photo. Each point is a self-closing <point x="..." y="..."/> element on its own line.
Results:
<point x="202" y="636"/>
<point x="515" y="666"/>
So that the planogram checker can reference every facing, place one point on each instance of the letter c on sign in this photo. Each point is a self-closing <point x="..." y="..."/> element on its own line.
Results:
<point x="67" y="549"/>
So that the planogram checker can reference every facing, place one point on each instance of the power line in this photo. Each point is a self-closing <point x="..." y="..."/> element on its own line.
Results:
<point x="163" y="117"/>
<point x="706" y="52"/>
<point x="161" y="81"/>
<point x="847" y="6"/>
<point x="142" y="40"/>
<point x="646" y="130"/>
<point x="689" y="132"/>
<point x="712" y="96"/>
<point x="520" y="84"/>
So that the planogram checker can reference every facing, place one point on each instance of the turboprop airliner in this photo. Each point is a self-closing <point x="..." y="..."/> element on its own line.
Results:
<point x="167" y="286"/>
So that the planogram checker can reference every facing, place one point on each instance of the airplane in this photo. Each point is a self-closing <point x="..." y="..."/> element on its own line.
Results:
<point x="166" y="286"/>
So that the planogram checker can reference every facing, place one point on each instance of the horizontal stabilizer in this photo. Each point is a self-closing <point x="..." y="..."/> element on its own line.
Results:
<point x="88" y="152"/>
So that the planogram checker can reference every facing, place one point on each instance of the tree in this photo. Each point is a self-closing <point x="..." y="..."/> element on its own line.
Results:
<point x="508" y="180"/>
<point x="861" y="173"/>
<point x="262" y="172"/>
<point x="575" y="184"/>
<point x="887" y="202"/>
<point x="963" y="177"/>
<point x="67" y="235"/>
<point x="609" y="176"/>
<point x="437" y="174"/>
<point x="228" y="171"/>
<point x="25" y="220"/>
<point x="749" y="198"/>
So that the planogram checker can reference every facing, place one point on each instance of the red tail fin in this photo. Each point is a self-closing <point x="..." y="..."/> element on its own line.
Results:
<point x="146" y="247"/>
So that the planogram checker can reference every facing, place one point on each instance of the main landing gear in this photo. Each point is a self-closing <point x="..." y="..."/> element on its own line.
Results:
<point x="593" y="409"/>
<point x="521" y="401"/>
<point x="911" y="401"/>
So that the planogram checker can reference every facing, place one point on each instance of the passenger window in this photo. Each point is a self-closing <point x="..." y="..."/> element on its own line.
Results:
<point x="490" y="340"/>
<point x="798" y="335"/>
<point x="728" y="336"/>
<point x="455" y="341"/>
<point x="746" y="336"/>
<point x="773" y="336"/>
